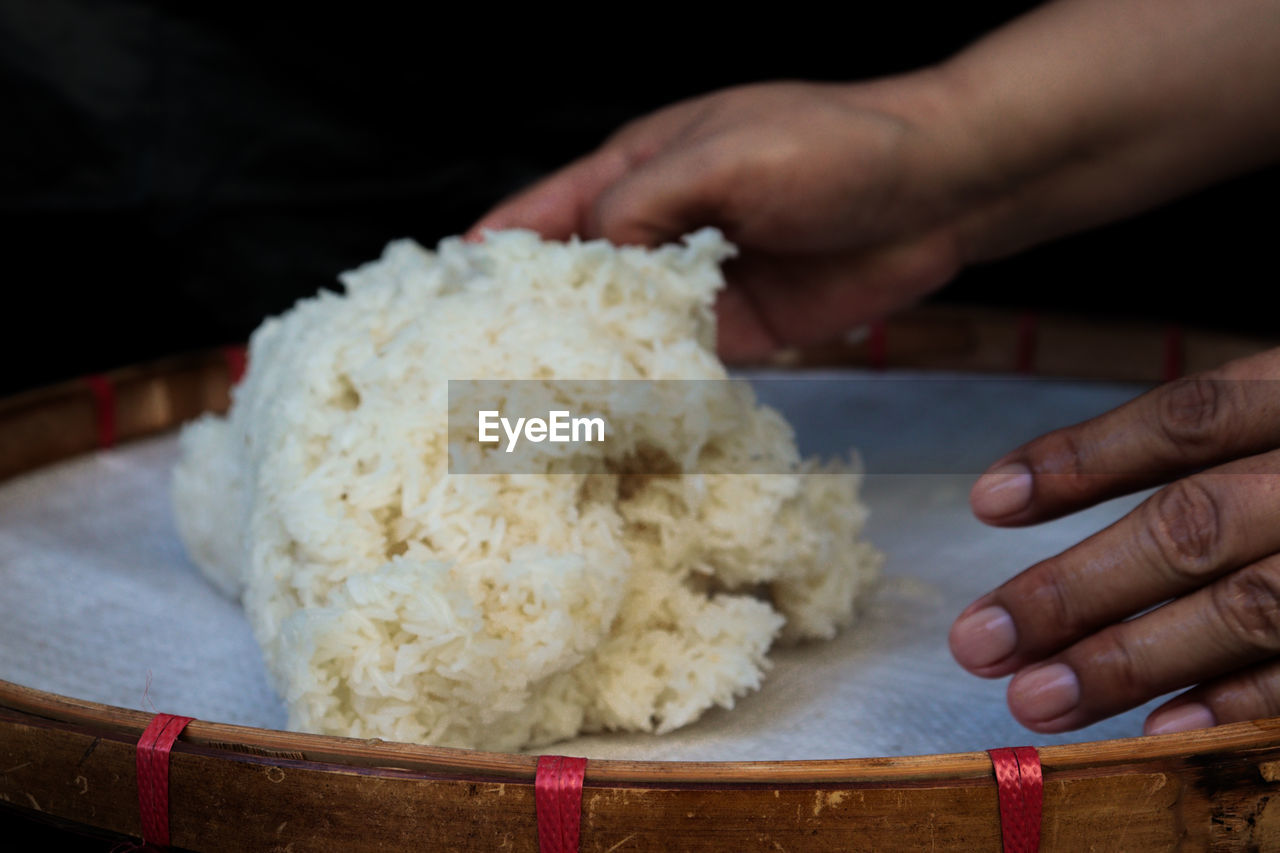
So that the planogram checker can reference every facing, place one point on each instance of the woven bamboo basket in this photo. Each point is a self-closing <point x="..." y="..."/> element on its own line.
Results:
<point x="73" y="762"/>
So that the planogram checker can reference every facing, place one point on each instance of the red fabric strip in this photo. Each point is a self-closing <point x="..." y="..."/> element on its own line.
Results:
<point x="1020" y="785"/>
<point x="1032" y="793"/>
<point x="104" y="408"/>
<point x="1173" y="353"/>
<point x="1026" y="355"/>
<point x="878" y="346"/>
<point x="237" y="359"/>
<point x="558" y="802"/>
<point x="153" y="776"/>
<point x="1009" y="790"/>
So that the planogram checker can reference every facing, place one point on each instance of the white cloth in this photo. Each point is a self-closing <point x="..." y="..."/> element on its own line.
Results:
<point x="98" y="599"/>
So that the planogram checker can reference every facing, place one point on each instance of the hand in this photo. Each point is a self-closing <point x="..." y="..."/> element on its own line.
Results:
<point x="833" y="193"/>
<point x="1205" y="548"/>
<point x="848" y="201"/>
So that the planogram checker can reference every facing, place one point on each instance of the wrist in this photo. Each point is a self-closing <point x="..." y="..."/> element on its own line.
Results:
<point x="943" y="175"/>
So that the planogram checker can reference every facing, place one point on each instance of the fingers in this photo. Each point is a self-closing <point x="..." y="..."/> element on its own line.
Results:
<point x="774" y="301"/>
<point x="1207" y="545"/>
<point x="663" y="197"/>
<point x="624" y="192"/>
<point x="558" y="206"/>
<point x="742" y="334"/>
<point x="1180" y="427"/>
<point x="1248" y="694"/>
<point x="565" y="203"/>
<point x="1183" y="537"/>
<point x="1229" y="625"/>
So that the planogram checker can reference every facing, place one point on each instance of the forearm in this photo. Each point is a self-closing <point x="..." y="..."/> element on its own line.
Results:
<point x="1085" y="111"/>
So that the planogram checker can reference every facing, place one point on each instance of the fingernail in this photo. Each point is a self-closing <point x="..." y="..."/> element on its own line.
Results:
<point x="1183" y="718"/>
<point x="1044" y="693"/>
<point x="983" y="637"/>
<point x="1002" y="492"/>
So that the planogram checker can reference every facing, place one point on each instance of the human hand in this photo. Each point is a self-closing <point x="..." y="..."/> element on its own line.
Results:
<point x="835" y="195"/>
<point x="1206" y="548"/>
<point x="848" y="201"/>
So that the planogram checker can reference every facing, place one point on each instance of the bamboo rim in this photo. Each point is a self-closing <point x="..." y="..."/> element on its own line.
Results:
<point x="73" y="759"/>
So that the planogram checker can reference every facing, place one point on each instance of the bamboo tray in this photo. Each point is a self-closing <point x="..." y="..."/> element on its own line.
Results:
<point x="240" y="788"/>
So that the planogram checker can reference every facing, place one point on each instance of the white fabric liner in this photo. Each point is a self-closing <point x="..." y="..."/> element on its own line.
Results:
<point x="99" y="601"/>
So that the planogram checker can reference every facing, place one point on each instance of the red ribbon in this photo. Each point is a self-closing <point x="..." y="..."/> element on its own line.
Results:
<point x="558" y="802"/>
<point x="1020" y="784"/>
<point x="237" y="361"/>
<point x="153" y="776"/>
<point x="104" y="408"/>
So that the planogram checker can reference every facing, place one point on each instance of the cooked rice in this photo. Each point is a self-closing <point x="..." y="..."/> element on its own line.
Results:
<point x="501" y="611"/>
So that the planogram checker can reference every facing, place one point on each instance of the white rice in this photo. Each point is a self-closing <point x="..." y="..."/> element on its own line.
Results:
<point x="501" y="611"/>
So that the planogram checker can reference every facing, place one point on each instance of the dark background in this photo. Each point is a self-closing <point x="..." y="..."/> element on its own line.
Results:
<point x="171" y="174"/>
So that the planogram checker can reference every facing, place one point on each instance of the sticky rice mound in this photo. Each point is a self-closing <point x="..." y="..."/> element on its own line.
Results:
<point x="502" y="611"/>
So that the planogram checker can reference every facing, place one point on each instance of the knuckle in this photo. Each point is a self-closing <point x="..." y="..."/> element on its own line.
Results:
<point x="1061" y="453"/>
<point x="1248" y="603"/>
<point x="1263" y="693"/>
<point x="1248" y="695"/>
<point x="1113" y="659"/>
<point x="1193" y="411"/>
<point x="1185" y="520"/>
<point x="1053" y="600"/>
<point x="1060" y="459"/>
